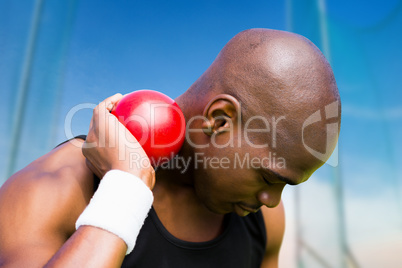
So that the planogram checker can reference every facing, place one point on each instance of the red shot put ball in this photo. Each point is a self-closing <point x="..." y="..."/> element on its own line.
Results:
<point x="155" y="120"/>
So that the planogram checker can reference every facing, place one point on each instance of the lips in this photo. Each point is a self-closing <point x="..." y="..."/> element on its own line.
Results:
<point x="243" y="211"/>
<point x="251" y="210"/>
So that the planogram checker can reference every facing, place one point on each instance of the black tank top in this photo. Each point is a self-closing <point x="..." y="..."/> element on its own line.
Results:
<point x="242" y="244"/>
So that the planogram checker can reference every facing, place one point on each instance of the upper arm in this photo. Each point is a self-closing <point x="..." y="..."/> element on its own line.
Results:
<point x="274" y="219"/>
<point x="40" y="204"/>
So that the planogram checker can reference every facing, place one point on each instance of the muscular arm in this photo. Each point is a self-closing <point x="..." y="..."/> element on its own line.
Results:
<point x="39" y="206"/>
<point x="274" y="219"/>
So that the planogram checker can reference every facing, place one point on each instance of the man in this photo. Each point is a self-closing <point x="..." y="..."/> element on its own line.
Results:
<point x="250" y="131"/>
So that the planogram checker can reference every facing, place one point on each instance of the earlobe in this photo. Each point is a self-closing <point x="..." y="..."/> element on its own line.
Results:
<point x="221" y="113"/>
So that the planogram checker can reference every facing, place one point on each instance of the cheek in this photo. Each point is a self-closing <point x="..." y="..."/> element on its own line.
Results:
<point x="226" y="185"/>
<point x="209" y="182"/>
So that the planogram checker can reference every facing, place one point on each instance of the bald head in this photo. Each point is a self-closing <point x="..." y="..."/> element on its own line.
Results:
<point x="274" y="74"/>
<point x="272" y="69"/>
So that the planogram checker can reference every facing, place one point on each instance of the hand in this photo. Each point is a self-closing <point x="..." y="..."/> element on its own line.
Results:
<point x="109" y="145"/>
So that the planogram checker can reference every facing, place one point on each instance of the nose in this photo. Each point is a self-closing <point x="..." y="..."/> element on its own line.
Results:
<point x="271" y="196"/>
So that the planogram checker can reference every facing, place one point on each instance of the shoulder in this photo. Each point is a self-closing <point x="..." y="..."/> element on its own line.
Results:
<point x="40" y="203"/>
<point x="56" y="181"/>
<point x="274" y="220"/>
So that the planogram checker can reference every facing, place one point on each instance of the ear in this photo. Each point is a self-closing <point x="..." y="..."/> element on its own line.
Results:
<point x="220" y="112"/>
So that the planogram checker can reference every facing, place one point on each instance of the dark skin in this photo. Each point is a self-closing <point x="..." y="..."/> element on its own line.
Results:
<point x="259" y="72"/>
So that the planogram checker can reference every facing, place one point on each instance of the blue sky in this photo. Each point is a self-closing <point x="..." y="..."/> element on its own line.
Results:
<point x="124" y="46"/>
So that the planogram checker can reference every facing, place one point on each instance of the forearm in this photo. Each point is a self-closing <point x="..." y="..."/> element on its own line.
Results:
<point x="109" y="226"/>
<point x="90" y="247"/>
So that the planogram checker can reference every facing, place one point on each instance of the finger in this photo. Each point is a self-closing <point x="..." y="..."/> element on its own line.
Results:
<point x="110" y="102"/>
<point x="104" y="108"/>
<point x="113" y="99"/>
<point x="152" y="177"/>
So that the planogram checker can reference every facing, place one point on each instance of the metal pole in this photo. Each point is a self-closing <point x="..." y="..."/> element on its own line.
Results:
<point x="22" y="90"/>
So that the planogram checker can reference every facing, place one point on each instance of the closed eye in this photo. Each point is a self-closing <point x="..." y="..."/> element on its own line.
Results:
<point x="267" y="182"/>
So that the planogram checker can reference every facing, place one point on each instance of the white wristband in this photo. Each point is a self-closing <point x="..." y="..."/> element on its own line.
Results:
<point x="120" y="206"/>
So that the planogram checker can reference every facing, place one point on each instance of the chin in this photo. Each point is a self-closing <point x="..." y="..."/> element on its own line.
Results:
<point x="217" y="209"/>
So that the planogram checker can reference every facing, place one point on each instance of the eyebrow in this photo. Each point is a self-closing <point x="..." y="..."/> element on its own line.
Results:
<point x="279" y="177"/>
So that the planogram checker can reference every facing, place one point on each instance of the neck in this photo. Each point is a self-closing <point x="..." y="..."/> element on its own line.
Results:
<point x="178" y="171"/>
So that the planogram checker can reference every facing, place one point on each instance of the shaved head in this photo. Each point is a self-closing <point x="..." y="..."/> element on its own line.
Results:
<point x="272" y="71"/>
